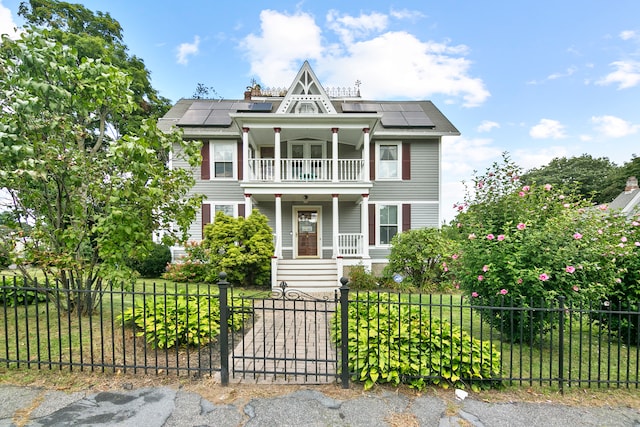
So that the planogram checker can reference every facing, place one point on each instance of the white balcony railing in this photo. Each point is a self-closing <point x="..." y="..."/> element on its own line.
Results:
<point x="263" y="170"/>
<point x="350" y="244"/>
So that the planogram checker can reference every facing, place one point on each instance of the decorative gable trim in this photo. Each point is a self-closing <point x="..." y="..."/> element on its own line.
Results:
<point x="306" y="95"/>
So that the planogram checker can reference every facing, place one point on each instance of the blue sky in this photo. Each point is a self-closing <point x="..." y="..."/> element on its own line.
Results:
<point x="538" y="79"/>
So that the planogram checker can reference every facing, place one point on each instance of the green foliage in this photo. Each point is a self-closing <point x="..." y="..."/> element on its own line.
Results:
<point x="361" y="279"/>
<point x="194" y="268"/>
<point x="588" y="173"/>
<point x="534" y="244"/>
<point x="93" y="198"/>
<point x="17" y="295"/>
<point x="154" y="264"/>
<point x="617" y="182"/>
<point x="183" y="320"/>
<point x="241" y="247"/>
<point x="417" y="255"/>
<point x="394" y="342"/>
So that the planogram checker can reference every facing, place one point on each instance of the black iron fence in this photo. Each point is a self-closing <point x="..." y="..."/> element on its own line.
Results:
<point x="368" y="337"/>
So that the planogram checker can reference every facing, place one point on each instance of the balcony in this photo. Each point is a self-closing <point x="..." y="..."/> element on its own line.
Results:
<point x="304" y="170"/>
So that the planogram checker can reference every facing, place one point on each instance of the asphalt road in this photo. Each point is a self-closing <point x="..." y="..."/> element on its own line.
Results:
<point x="165" y="406"/>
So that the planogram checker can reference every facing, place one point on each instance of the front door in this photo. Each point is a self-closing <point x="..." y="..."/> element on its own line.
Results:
<point x="307" y="232"/>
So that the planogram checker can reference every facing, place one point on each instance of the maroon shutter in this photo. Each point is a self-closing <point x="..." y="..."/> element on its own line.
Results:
<point x="241" y="210"/>
<point x="205" y="167"/>
<point x="406" y="161"/>
<point x="240" y="163"/>
<point x="372" y="225"/>
<point x="372" y="162"/>
<point x="406" y="217"/>
<point x="206" y="216"/>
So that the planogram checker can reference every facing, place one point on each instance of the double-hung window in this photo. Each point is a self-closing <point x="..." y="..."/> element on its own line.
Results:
<point x="388" y="223"/>
<point x="389" y="160"/>
<point x="223" y="159"/>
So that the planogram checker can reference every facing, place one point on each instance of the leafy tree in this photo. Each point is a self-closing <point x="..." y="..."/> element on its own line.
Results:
<point x="589" y="175"/>
<point x="205" y="92"/>
<point x="93" y="199"/>
<point x="241" y="247"/>
<point x="99" y="36"/>
<point x="618" y="180"/>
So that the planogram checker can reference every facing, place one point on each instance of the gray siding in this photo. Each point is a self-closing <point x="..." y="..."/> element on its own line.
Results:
<point x="424" y="184"/>
<point x="424" y="215"/>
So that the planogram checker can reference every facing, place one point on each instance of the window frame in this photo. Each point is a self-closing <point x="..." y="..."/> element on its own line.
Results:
<point x="214" y="147"/>
<point x="379" y="224"/>
<point x="379" y="168"/>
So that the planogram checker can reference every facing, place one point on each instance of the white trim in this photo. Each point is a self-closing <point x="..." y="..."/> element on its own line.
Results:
<point x="212" y="162"/>
<point x="220" y="203"/>
<point x="379" y="206"/>
<point x="294" y="225"/>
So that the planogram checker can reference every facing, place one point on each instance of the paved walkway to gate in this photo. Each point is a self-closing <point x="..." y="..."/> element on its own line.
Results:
<point x="290" y="343"/>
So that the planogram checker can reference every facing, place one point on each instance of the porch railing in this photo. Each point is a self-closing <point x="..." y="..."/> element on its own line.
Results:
<point x="350" y="244"/>
<point x="349" y="170"/>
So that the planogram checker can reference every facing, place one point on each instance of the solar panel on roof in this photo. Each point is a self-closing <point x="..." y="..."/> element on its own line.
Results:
<point x="394" y="119"/>
<point x="222" y="105"/>
<point x="411" y="107"/>
<point x="417" y="118"/>
<point x="218" y="118"/>
<point x="392" y="107"/>
<point x="194" y="117"/>
<point x="356" y="107"/>
<point x="200" y="105"/>
<point x="261" y="106"/>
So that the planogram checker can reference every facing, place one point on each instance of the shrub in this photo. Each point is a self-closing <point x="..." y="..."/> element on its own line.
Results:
<point x="241" y="247"/>
<point x="15" y="295"/>
<point x="153" y="264"/>
<point x="180" y="321"/>
<point x="394" y="342"/>
<point x="361" y="279"/>
<point x="187" y="272"/>
<point x="534" y="244"/>
<point x="417" y="255"/>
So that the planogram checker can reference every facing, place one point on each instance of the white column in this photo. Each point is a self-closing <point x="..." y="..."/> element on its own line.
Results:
<point x="365" y="154"/>
<point x="336" y="226"/>
<point x="364" y="225"/>
<point x="276" y="149"/>
<point x="245" y="155"/>
<point x="278" y="225"/>
<point x="334" y="151"/>
<point x="248" y="206"/>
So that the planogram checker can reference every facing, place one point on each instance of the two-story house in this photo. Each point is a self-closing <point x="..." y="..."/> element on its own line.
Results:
<point x="337" y="176"/>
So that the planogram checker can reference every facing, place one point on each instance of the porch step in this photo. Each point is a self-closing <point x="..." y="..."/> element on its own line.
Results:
<point x="308" y="275"/>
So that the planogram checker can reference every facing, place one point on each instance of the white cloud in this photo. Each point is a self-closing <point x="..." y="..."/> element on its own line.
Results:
<point x="391" y="64"/>
<point x="628" y="35"/>
<point x="535" y="158"/>
<point x="412" y="15"/>
<point x="614" y="127"/>
<point x="487" y="126"/>
<point x="284" y="41"/>
<point x="547" y="129"/>
<point x="626" y="75"/>
<point x="185" y="50"/>
<point x="7" y="25"/>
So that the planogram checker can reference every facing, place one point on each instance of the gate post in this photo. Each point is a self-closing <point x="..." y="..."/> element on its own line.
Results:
<point x="224" y="328"/>
<point x="344" y="332"/>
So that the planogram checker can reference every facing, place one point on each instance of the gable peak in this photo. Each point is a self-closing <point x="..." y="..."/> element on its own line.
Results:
<point x="306" y="95"/>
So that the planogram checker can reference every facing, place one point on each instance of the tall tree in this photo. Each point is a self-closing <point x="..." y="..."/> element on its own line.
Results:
<point x="99" y="36"/>
<point x="93" y="198"/>
<point x="585" y="174"/>
<point x="618" y="180"/>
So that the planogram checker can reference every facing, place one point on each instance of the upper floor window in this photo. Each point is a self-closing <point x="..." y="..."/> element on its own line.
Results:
<point x="223" y="159"/>
<point x="389" y="164"/>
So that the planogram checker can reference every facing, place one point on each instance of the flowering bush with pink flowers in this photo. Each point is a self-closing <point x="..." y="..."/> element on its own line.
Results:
<point x="550" y="244"/>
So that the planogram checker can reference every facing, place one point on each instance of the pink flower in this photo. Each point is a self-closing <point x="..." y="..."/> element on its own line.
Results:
<point x="635" y="223"/>
<point x="457" y="286"/>
<point x="474" y="294"/>
<point x="480" y="278"/>
<point x="566" y="205"/>
<point x="544" y="277"/>
<point x="521" y="194"/>
<point x="623" y="239"/>
<point x="500" y="237"/>
<point x="459" y="225"/>
<point x="521" y="226"/>
<point x="603" y="207"/>
<point x="490" y="236"/>
<point x="600" y="231"/>
<point x="576" y="288"/>
<point x="570" y="269"/>
<point x="455" y="256"/>
<point x="503" y="291"/>
<point x="526" y="188"/>
<point x="547" y="187"/>
<point x="480" y="184"/>
<point x="637" y="243"/>
<point x="472" y="236"/>
<point x="577" y="236"/>
<point x="561" y="197"/>
<point x="485" y="268"/>
<point x="519" y="281"/>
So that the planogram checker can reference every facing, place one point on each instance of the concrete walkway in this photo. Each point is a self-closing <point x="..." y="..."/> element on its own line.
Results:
<point x="290" y="343"/>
